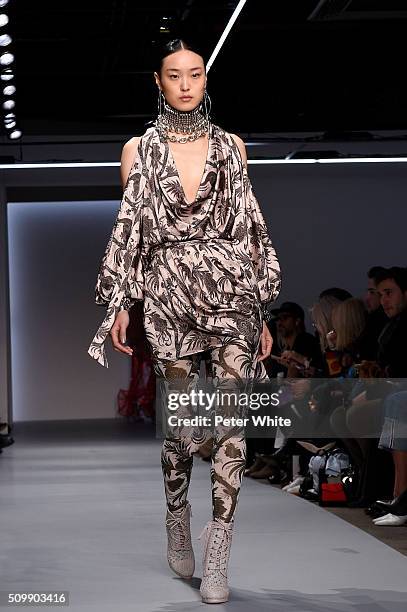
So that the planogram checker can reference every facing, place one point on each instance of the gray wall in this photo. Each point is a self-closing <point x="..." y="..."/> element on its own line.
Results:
<point x="54" y="253"/>
<point x="329" y="224"/>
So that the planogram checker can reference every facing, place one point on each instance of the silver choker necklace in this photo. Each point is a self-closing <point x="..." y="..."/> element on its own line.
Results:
<point x="193" y="124"/>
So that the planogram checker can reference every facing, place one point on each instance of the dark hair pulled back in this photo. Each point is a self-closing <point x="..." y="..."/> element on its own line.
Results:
<point x="172" y="46"/>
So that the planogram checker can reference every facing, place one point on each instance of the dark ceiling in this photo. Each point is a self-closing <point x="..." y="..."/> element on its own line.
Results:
<point x="290" y="65"/>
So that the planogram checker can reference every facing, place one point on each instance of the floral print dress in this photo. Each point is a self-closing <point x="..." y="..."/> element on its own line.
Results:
<point x="203" y="269"/>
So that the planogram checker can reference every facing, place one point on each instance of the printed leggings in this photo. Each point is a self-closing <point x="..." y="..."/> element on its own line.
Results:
<point x="230" y="366"/>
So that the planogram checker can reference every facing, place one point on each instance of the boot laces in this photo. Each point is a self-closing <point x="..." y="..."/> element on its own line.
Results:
<point x="220" y="545"/>
<point x="177" y="526"/>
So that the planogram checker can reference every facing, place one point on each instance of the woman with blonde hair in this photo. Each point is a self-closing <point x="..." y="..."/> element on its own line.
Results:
<point x="349" y="320"/>
<point x="321" y="314"/>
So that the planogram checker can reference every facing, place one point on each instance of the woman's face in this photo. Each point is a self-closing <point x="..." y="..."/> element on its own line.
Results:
<point x="182" y="79"/>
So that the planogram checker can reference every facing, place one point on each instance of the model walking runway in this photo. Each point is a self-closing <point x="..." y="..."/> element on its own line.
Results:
<point x="206" y="270"/>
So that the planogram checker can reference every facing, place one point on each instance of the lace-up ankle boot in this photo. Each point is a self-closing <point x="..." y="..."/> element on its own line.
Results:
<point x="180" y="554"/>
<point x="216" y="551"/>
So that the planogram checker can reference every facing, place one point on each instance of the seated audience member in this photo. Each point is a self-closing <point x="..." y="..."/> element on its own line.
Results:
<point x="394" y="439"/>
<point x="376" y="317"/>
<point x="321" y="314"/>
<point x="297" y="347"/>
<point x="287" y="326"/>
<point x="340" y="321"/>
<point x="349" y="321"/>
<point x="391" y="285"/>
<point x="349" y="318"/>
<point x="300" y="357"/>
<point x="325" y="363"/>
<point x="328" y="357"/>
<point x="347" y="340"/>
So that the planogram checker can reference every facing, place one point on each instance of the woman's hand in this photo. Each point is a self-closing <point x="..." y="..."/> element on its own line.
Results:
<point x="331" y="339"/>
<point x="289" y="356"/>
<point x="294" y="356"/>
<point x="266" y="343"/>
<point x="118" y="333"/>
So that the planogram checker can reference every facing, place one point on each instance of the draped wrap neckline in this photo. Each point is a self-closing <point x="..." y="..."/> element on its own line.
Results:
<point x="168" y="177"/>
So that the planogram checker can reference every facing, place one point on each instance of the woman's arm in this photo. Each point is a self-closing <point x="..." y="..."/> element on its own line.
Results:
<point x="261" y="248"/>
<point x="118" y="332"/>
<point x="242" y="148"/>
<point x="121" y="273"/>
<point x="127" y="159"/>
<point x="123" y="248"/>
<point x="266" y="340"/>
<point x="128" y="154"/>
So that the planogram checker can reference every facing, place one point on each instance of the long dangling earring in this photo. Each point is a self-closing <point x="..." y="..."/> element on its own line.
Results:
<point x="160" y="101"/>
<point x="206" y="104"/>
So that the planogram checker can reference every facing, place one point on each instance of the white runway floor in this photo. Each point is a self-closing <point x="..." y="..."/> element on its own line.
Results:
<point x="85" y="513"/>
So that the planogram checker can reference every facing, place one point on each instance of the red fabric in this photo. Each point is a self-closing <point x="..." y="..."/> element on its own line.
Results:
<point x="141" y="393"/>
<point x="332" y="492"/>
<point x="333" y="360"/>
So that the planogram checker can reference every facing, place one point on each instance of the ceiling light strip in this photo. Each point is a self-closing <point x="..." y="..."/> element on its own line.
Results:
<point x="226" y="31"/>
<point x="253" y="162"/>
<point x="333" y="160"/>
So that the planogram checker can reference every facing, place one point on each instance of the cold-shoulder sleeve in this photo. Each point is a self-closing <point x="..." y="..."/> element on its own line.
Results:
<point x="261" y="250"/>
<point x="120" y="274"/>
<point x="123" y="250"/>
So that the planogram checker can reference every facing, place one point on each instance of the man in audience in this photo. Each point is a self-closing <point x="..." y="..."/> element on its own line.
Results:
<point x="376" y="317"/>
<point x="364" y="418"/>
<point x="391" y="285"/>
<point x="300" y="353"/>
<point x="294" y="340"/>
<point x="371" y="297"/>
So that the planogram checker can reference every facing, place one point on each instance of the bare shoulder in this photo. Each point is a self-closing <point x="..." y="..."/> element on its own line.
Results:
<point x="242" y="147"/>
<point x="127" y="158"/>
<point x="131" y="145"/>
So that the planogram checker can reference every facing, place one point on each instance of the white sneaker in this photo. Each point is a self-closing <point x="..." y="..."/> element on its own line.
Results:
<point x="297" y="481"/>
<point x="218" y="539"/>
<point x="294" y="490"/>
<point x="180" y="553"/>
<point x="390" y="519"/>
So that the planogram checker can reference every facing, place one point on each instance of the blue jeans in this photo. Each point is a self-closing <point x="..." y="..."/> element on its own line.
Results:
<point x="394" y="432"/>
